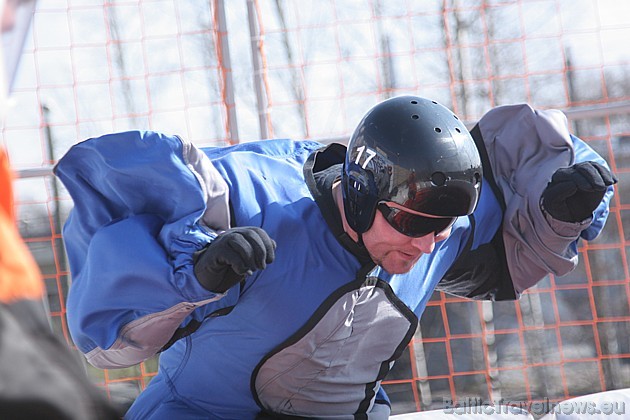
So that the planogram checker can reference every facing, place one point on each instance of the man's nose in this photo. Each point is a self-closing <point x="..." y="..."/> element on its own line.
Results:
<point x="425" y="244"/>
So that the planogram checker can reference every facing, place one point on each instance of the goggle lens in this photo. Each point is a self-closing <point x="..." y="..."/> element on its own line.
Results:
<point x="413" y="225"/>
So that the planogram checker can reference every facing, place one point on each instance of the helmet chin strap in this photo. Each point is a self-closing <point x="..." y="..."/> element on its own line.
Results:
<point x="360" y="241"/>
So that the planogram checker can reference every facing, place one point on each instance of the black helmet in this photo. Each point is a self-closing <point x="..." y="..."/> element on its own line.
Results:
<point x="414" y="152"/>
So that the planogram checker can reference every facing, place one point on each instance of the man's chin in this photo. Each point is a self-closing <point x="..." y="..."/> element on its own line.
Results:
<point x="399" y="266"/>
<point x="395" y="262"/>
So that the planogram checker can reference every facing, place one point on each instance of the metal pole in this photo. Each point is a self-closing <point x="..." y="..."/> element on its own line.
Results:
<point x="261" y="98"/>
<point x="599" y="110"/>
<point x="226" y="68"/>
<point x="57" y="224"/>
<point x="34" y="172"/>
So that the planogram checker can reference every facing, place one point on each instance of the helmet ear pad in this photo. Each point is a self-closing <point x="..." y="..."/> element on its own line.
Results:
<point x="360" y="197"/>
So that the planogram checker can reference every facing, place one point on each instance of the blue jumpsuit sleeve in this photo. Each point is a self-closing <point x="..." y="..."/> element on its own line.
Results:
<point x="143" y="204"/>
<point x="584" y="153"/>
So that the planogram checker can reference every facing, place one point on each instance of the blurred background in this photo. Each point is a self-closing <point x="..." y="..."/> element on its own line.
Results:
<point x="218" y="72"/>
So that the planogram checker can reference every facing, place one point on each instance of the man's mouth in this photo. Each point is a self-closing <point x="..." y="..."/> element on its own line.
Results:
<point x="407" y="255"/>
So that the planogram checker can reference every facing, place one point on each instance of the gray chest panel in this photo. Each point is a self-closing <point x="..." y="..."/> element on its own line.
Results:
<point x="333" y="367"/>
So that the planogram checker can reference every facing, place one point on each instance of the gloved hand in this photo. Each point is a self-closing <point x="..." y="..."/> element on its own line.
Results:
<point x="575" y="192"/>
<point x="234" y="254"/>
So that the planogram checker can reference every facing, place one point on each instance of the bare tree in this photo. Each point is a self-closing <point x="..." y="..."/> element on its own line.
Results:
<point x="296" y="87"/>
<point x="119" y="58"/>
<point x="387" y="68"/>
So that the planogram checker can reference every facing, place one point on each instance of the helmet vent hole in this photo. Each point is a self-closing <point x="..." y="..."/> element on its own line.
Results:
<point x="434" y="102"/>
<point x="438" y="179"/>
<point x="414" y="117"/>
<point x="438" y="129"/>
<point x="477" y="178"/>
<point x="458" y="130"/>
<point x="456" y="117"/>
<point x="414" y="102"/>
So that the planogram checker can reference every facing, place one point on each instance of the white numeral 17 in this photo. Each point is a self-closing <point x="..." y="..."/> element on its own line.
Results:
<point x="370" y="154"/>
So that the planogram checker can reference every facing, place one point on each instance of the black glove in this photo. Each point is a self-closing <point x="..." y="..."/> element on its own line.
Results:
<point x="233" y="255"/>
<point x="575" y="192"/>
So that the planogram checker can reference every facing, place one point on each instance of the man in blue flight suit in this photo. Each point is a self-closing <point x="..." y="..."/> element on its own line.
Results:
<point x="284" y="278"/>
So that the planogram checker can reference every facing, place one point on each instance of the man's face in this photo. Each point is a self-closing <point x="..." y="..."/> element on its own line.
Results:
<point x="394" y="251"/>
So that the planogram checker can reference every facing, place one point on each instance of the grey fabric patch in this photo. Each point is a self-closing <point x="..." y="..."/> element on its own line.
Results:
<point x="525" y="147"/>
<point x="332" y="369"/>
<point x="217" y="214"/>
<point x="144" y="337"/>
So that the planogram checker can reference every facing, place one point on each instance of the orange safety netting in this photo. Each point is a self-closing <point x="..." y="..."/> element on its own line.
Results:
<point x="322" y="65"/>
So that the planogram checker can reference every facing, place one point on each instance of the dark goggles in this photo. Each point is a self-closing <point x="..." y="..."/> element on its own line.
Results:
<point x="413" y="225"/>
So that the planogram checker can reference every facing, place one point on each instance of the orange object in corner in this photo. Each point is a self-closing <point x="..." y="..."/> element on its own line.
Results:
<point x="20" y="277"/>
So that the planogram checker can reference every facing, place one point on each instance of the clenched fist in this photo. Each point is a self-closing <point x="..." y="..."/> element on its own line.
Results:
<point x="234" y="254"/>
<point x="575" y="192"/>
